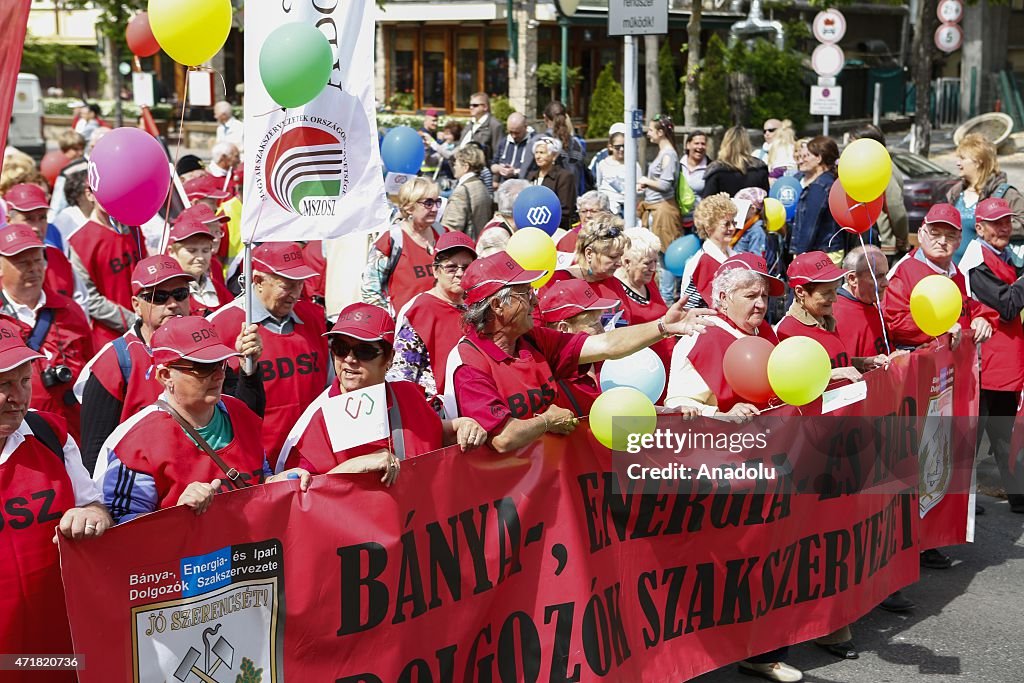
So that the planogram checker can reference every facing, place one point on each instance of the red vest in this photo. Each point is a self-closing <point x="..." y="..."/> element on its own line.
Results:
<point x="109" y="257"/>
<point x="35" y="491"/>
<point x="1002" y="356"/>
<point x="157" y="445"/>
<point x="293" y="366"/>
<point x="838" y="356"/>
<point x="60" y="276"/>
<point x="142" y="388"/>
<point x="861" y="327"/>
<point x="224" y="297"/>
<point x="704" y="274"/>
<point x="313" y="254"/>
<point x="439" y="325"/>
<point x="525" y="382"/>
<point x="414" y="272"/>
<point x="578" y="393"/>
<point x="422" y="431"/>
<point x="707" y="354"/>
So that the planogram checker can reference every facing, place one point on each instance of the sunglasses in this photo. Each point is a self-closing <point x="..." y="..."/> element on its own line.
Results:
<point x="160" y="297"/>
<point x="200" y="370"/>
<point x="606" y="234"/>
<point x="474" y="105"/>
<point x="452" y="269"/>
<point x="429" y="203"/>
<point x="769" y="130"/>
<point x="618" y="148"/>
<point x="363" y="351"/>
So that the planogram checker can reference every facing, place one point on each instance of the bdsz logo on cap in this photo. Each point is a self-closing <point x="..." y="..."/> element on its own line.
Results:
<point x="823" y="264"/>
<point x="6" y="333"/>
<point x="162" y="265"/>
<point x="356" y="316"/>
<point x="295" y="255"/>
<point x="202" y="335"/>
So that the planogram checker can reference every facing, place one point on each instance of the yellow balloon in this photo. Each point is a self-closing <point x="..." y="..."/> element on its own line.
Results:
<point x="935" y="304"/>
<point x="533" y="249"/>
<point x="774" y="214"/>
<point x="619" y="413"/>
<point x="799" y="370"/>
<point x="190" y="31"/>
<point x="864" y="169"/>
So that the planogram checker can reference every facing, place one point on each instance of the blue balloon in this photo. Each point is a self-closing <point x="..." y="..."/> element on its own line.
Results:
<point x="679" y="252"/>
<point x="787" y="190"/>
<point x="537" y="207"/>
<point x="642" y="370"/>
<point x="402" y="151"/>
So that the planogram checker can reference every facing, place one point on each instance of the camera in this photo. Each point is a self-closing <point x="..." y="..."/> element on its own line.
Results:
<point x="58" y="374"/>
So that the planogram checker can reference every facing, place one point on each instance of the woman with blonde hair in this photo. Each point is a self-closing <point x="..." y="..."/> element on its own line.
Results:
<point x="736" y="167"/>
<point x="781" y="150"/>
<point x="715" y="221"/>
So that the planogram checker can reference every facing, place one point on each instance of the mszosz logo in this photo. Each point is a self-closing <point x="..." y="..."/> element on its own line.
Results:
<point x="306" y="170"/>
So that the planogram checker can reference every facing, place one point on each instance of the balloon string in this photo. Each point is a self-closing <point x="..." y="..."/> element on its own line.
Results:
<point x="255" y="223"/>
<point x="268" y="113"/>
<point x="177" y="152"/>
<point x="878" y="296"/>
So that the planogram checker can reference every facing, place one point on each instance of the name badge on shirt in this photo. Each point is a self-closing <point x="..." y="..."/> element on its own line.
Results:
<point x="357" y="417"/>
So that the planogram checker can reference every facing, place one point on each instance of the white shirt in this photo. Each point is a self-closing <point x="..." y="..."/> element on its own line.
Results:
<point x="86" y="490"/>
<point x="24" y="313"/>
<point x="468" y="135"/>
<point x="205" y="291"/>
<point x="230" y="131"/>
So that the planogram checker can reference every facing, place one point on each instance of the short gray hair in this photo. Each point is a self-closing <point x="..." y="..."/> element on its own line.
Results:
<point x="553" y="144"/>
<point x="507" y="193"/>
<point x="731" y="280"/>
<point x="480" y="313"/>
<point x="641" y="242"/>
<point x="594" y="199"/>
<point x="222" y="149"/>
<point x="857" y="260"/>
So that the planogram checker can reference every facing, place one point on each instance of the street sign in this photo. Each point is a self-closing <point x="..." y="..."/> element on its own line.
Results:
<point x="950" y="11"/>
<point x="828" y="59"/>
<point x="142" y="89"/>
<point x="829" y="26"/>
<point x="826" y="101"/>
<point x="637" y="17"/>
<point x="949" y="37"/>
<point x="637" y="127"/>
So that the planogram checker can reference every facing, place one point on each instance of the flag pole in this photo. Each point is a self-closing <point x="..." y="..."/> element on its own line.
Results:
<point x="247" y="298"/>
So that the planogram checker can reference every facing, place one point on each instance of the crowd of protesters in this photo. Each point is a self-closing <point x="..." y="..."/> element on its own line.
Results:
<point x="141" y="356"/>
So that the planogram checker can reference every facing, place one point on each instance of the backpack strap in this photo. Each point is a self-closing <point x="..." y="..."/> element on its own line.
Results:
<point x="1001" y="190"/>
<point x="395" y="238"/>
<point x="42" y="430"/>
<point x="40" y="329"/>
<point x="124" y="358"/>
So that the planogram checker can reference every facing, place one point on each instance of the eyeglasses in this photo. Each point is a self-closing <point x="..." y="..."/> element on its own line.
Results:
<point x="159" y="297"/>
<point x="362" y="351"/>
<point x="474" y="105"/>
<point x="429" y="203"/>
<point x="618" y="148"/>
<point x="769" y="130"/>
<point x="451" y="268"/>
<point x="948" y="238"/>
<point x="200" y="370"/>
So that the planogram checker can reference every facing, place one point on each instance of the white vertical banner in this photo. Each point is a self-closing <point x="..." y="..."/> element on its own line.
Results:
<point x="313" y="172"/>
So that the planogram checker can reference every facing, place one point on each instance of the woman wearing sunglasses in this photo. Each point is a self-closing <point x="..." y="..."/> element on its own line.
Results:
<point x="192" y="442"/>
<point x="117" y="382"/>
<point x="362" y="349"/>
<point x="430" y="325"/>
<point x="611" y="174"/>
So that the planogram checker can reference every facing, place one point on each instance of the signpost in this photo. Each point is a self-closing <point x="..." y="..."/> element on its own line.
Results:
<point x="826" y="101"/>
<point x="828" y="60"/>
<point x="949" y="36"/>
<point x="630" y="18"/>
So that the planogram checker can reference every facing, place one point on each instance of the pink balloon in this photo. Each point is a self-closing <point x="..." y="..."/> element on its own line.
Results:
<point x="3" y="213"/>
<point x="129" y="174"/>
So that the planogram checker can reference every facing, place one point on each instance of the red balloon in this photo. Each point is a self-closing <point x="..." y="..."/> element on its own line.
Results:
<point x="52" y="164"/>
<point x="850" y="214"/>
<point x="745" y="366"/>
<point x="141" y="40"/>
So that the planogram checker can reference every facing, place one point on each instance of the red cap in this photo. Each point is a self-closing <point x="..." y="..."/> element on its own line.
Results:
<point x="567" y="298"/>
<point x="26" y="197"/>
<point x="13" y="351"/>
<point x="282" y="258"/>
<point x="205" y="187"/>
<point x="814" y="266"/>
<point x="487" y="275"/>
<point x="943" y="213"/>
<point x="15" y="239"/>
<point x="365" y="322"/>
<point x="154" y="270"/>
<point x="185" y="227"/>
<point x="454" y="240"/>
<point x="992" y="209"/>
<point x="430" y="112"/>
<point x="203" y="214"/>
<point x="189" y="337"/>
<point x="752" y="262"/>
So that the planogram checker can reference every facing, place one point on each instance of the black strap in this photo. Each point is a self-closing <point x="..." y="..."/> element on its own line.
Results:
<point x="233" y="475"/>
<point x="567" y="392"/>
<point x="39" y="331"/>
<point x="395" y="423"/>
<point x="42" y="430"/>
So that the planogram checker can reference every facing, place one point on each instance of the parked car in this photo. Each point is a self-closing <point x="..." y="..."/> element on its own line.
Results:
<point x="924" y="183"/>
<point x="26" y="131"/>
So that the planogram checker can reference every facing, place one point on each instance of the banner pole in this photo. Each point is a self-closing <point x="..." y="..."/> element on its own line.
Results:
<point x="247" y="299"/>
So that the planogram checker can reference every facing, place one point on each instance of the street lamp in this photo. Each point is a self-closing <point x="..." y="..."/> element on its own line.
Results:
<point x="566" y="9"/>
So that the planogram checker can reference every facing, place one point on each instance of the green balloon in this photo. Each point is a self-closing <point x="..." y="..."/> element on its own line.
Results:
<point x="295" y="64"/>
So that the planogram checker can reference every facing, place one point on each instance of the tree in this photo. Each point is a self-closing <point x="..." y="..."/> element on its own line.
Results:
<point x="691" y="109"/>
<point x="651" y="75"/>
<point x="777" y="77"/>
<point x="923" y="51"/>
<point x="668" y="79"/>
<point x="43" y="59"/>
<point x="549" y="75"/>
<point x="713" y="88"/>
<point x="606" y="104"/>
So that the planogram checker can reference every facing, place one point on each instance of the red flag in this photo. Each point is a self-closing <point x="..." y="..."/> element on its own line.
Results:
<point x="13" y="15"/>
<point x="147" y="123"/>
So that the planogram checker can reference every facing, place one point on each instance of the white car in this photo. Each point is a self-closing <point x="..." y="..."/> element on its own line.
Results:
<point x="26" y="131"/>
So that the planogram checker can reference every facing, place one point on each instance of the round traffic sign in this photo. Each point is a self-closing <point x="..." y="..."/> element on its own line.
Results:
<point x="829" y="26"/>
<point x="950" y="11"/>
<point x="949" y="37"/>
<point x="828" y="59"/>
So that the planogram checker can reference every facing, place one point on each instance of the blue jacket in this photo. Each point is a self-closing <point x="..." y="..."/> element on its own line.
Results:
<point x="813" y="225"/>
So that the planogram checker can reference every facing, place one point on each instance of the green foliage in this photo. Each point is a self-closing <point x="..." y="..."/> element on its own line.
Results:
<point x="714" y="85"/>
<point x="249" y="672"/>
<point x="401" y="101"/>
<point x="606" y="104"/>
<point x="549" y="75"/>
<point x="799" y="36"/>
<point x="777" y="76"/>
<point x="501" y="108"/>
<point x="668" y="79"/>
<point x="43" y="59"/>
<point x="58" y="106"/>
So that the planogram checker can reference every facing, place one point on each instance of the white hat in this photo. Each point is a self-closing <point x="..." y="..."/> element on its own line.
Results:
<point x="617" y="129"/>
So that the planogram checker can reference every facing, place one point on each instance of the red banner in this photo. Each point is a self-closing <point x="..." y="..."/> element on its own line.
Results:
<point x="561" y="563"/>
<point x="14" y="19"/>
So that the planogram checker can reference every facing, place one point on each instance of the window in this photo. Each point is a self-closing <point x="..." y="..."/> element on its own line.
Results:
<point x="402" y="67"/>
<point x="467" y="68"/>
<point x="496" y="63"/>
<point x="433" y="70"/>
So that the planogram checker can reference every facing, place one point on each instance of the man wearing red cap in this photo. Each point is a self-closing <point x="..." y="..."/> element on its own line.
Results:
<point x="856" y="310"/>
<point x="294" y="362"/>
<point x="26" y="205"/>
<point x="45" y="487"/>
<point x="206" y="190"/>
<point x="994" y="279"/>
<point x="190" y="243"/>
<point x="192" y="441"/>
<point x="939" y="237"/>
<point x="117" y="382"/>
<point x="504" y="373"/>
<point x="103" y="253"/>
<point x="49" y="322"/>
<point x="362" y="345"/>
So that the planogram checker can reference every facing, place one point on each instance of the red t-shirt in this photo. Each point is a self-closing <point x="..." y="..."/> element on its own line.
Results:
<point x="838" y="356"/>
